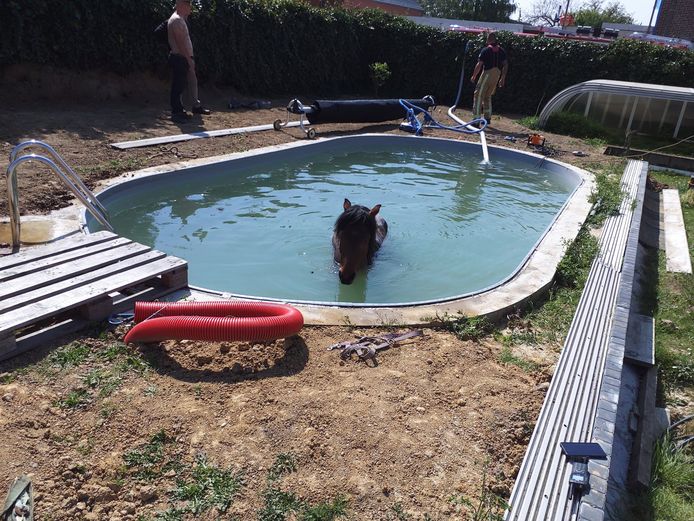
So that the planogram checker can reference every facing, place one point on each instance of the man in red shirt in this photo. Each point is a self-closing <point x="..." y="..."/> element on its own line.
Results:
<point x="492" y="65"/>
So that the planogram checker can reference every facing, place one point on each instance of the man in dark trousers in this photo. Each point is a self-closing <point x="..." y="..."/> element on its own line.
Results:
<point x="492" y="65"/>
<point x="182" y="64"/>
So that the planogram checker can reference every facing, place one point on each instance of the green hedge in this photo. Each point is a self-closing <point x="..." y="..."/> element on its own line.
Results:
<point x="287" y="47"/>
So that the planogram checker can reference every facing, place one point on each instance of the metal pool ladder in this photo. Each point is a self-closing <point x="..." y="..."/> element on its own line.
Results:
<point x="67" y="175"/>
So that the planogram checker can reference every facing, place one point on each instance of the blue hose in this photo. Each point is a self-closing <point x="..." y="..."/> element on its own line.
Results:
<point x="412" y="111"/>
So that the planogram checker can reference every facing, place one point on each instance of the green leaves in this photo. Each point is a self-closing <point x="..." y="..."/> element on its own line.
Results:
<point x="285" y="47"/>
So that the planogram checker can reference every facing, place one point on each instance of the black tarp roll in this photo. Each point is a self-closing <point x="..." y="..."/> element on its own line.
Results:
<point x="361" y="111"/>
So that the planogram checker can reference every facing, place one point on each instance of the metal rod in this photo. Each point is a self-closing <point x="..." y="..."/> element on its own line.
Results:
<point x="13" y="196"/>
<point x="76" y="179"/>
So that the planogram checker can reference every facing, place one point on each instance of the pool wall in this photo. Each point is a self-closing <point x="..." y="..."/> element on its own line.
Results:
<point x="531" y="277"/>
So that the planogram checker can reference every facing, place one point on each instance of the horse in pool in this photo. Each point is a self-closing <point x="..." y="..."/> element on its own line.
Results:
<point x="358" y="234"/>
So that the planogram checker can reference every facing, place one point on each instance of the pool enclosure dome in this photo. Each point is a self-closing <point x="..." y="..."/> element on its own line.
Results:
<point x="628" y="107"/>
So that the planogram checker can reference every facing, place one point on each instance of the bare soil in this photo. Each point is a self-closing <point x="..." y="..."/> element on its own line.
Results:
<point x="398" y="439"/>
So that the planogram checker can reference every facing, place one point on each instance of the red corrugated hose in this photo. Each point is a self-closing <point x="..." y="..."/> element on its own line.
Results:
<point x="214" y="321"/>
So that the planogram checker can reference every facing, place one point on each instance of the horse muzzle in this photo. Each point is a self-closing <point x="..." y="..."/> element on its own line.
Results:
<point x="347" y="278"/>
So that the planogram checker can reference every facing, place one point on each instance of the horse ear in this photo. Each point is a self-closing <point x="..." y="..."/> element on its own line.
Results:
<point x="375" y="210"/>
<point x="346" y="205"/>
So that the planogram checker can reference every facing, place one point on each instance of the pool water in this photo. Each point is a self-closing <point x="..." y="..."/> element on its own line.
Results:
<point x="456" y="226"/>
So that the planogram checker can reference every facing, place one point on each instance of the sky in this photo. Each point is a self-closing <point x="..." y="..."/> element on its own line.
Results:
<point x="639" y="9"/>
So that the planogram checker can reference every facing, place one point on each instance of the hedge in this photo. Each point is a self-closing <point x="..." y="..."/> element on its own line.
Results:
<point x="287" y="47"/>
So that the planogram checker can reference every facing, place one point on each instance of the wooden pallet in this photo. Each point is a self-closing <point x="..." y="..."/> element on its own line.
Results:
<point x="58" y="288"/>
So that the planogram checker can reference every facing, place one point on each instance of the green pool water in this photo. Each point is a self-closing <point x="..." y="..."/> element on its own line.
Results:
<point x="456" y="226"/>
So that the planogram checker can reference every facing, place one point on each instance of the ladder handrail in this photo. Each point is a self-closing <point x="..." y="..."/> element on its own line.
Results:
<point x="13" y="195"/>
<point x="72" y="175"/>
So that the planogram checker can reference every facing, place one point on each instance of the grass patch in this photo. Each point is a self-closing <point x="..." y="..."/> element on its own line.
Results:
<point x="596" y="142"/>
<point x="71" y="355"/>
<point x="607" y="195"/>
<point x="572" y="270"/>
<point x="279" y="504"/>
<point x="207" y="487"/>
<point x="75" y="399"/>
<point x="550" y="321"/>
<point x="506" y="357"/>
<point x="106" y="367"/>
<point x="665" y="145"/>
<point x="530" y="122"/>
<point x="671" y="494"/>
<point x="487" y="507"/>
<point x="574" y="124"/>
<point x="146" y="460"/>
<point x="465" y="328"/>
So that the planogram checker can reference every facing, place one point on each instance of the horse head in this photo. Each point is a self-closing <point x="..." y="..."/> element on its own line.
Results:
<point x="358" y="233"/>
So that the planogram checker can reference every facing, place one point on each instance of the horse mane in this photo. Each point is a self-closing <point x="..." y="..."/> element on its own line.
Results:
<point x="358" y="215"/>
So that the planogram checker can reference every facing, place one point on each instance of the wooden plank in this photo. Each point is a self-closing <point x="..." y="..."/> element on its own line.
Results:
<point x="43" y="337"/>
<point x="676" y="248"/>
<point x="65" y="271"/>
<point x="124" y="145"/>
<point x="62" y="286"/>
<point x="60" y="258"/>
<point x="37" y="311"/>
<point x="61" y="246"/>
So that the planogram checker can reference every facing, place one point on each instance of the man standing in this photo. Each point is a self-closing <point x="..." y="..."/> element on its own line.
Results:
<point x="182" y="63"/>
<point x="493" y="65"/>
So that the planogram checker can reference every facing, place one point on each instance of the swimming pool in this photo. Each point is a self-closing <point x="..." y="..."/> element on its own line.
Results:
<point x="260" y="225"/>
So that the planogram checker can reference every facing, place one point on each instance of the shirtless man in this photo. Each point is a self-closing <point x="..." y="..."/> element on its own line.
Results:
<point x="182" y="64"/>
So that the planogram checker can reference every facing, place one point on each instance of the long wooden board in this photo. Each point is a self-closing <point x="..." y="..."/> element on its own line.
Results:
<point x="79" y="296"/>
<point x="47" y="250"/>
<point x="74" y="281"/>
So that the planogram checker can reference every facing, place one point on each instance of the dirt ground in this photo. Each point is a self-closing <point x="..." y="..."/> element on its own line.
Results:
<point x="406" y="438"/>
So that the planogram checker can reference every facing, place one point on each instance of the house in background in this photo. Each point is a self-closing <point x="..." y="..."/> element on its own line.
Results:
<point x="676" y="19"/>
<point x="396" y="7"/>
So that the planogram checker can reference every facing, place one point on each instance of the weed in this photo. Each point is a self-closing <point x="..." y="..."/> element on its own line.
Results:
<point x="85" y="448"/>
<point x="488" y="507"/>
<point x="508" y="358"/>
<point x="399" y="511"/>
<point x="74" y="399"/>
<point x="596" y="142"/>
<point x="151" y="390"/>
<point x="70" y="355"/>
<point x="279" y="504"/>
<point x="530" y="122"/>
<point x="107" y="410"/>
<point x="146" y="459"/>
<point x="347" y="322"/>
<point x="284" y="464"/>
<point x="379" y="73"/>
<point x="573" y="124"/>
<point x="607" y="195"/>
<point x="671" y="495"/>
<point x="7" y="378"/>
<point x="572" y="270"/>
<point x="465" y="328"/>
<point x="208" y="487"/>
<point x="326" y="511"/>
<point x="197" y="390"/>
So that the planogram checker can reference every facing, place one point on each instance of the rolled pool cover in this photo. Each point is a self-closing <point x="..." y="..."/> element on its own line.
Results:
<point x="214" y="321"/>
<point x="363" y="110"/>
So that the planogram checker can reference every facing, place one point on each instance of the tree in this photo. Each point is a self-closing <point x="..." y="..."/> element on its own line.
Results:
<point x="593" y="13"/>
<point x="545" y="12"/>
<point x="481" y="10"/>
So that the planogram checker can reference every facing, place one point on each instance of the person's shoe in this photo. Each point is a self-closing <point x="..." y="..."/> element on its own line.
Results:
<point x="180" y="117"/>
<point x="201" y="110"/>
